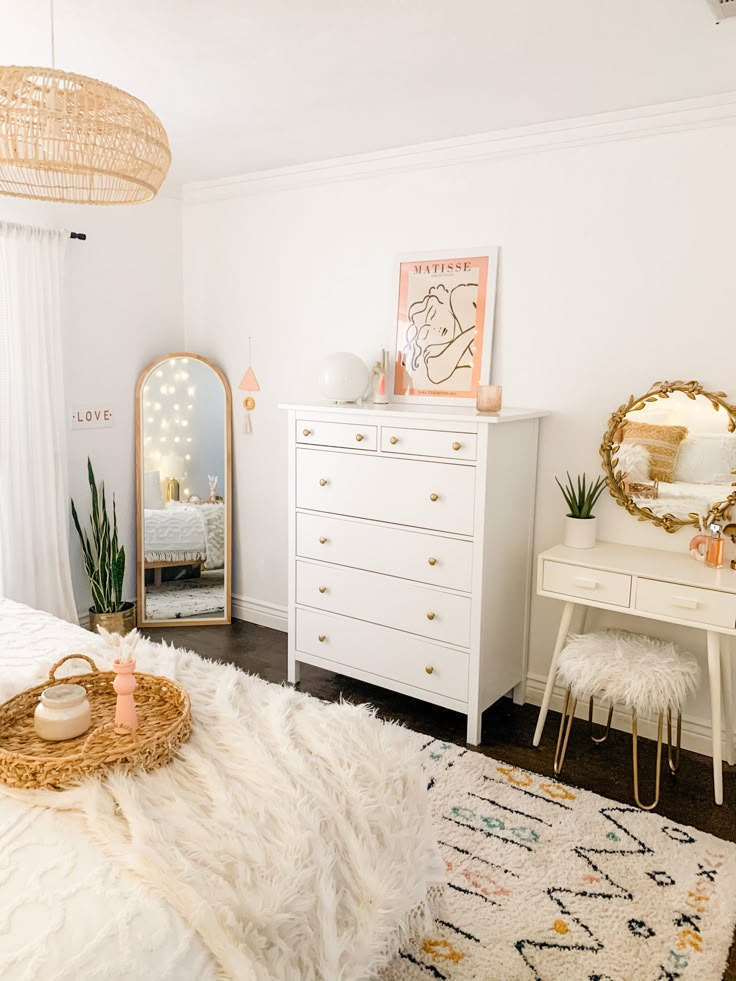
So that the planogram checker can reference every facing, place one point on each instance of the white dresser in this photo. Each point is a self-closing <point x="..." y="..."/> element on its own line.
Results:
<point x="410" y="547"/>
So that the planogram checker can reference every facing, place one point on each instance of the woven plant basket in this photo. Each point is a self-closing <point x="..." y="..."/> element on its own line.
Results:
<point x="29" y="762"/>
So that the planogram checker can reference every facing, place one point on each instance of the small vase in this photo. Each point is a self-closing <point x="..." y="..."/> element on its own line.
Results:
<point x="580" y="532"/>
<point x="124" y="685"/>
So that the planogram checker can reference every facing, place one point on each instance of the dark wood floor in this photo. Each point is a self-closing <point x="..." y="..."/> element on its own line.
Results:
<point x="507" y="731"/>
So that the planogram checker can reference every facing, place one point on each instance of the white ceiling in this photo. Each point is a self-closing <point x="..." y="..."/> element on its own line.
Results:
<point x="242" y="86"/>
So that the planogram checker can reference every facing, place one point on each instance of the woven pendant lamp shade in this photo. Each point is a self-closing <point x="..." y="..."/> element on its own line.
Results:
<point x="67" y="137"/>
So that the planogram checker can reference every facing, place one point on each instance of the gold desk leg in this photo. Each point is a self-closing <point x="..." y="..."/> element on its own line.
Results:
<point x="604" y="737"/>
<point x="674" y="764"/>
<point x="568" y="712"/>
<point x="635" y="754"/>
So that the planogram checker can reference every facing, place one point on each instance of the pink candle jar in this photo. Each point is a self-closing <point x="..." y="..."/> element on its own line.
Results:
<point x="488" y="398"/>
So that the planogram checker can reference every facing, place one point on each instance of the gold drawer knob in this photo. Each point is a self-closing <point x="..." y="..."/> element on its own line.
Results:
<point x="323" y="482"/>
<point x="307" y="432"/>
<point x="434" y="497"/>
<point x="323" y="589"/>
<point x="394" y="440"/>
<point x="432" y="561"/>
<point x="359" y="437"/>
<point x="429" y="669"/>
<point x="456" y="446"/>
<point x="323" y="540"/>
<point x="430" y="616"/>
<point x="321" y="638"/>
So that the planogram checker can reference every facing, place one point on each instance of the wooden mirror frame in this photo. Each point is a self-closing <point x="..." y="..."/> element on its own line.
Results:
<point x="609" y="450"/>
<point x="143" y="621"/>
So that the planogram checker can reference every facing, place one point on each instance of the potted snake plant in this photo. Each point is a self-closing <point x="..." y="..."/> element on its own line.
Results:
<point x="104" y="563"/>
<point x="581" y="497"/>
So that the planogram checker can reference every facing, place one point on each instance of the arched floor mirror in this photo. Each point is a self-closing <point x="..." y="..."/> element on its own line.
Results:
<point x="183" y="492"/>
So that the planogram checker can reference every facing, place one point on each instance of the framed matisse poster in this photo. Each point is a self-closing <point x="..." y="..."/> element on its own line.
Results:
<point x="444" y="326"/>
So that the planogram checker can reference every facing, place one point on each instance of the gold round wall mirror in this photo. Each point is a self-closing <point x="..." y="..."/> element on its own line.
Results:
<point x="670" y="455"/>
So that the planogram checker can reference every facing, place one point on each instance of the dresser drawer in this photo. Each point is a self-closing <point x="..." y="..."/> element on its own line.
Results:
<point x="355" y="437"/>
<point x="686" y="603"/>
<point x="386" y="653"/>
<point x="438" y="496"/>
<point x="385" y="599"/>
<point x="393" y="551"/>
<point x="590" y="584"/>
<point x="428" y="442"/>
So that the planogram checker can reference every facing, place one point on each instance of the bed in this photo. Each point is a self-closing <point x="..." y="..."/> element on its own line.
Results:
<point x="289" y="839"/>
<point x="184" y="534"/>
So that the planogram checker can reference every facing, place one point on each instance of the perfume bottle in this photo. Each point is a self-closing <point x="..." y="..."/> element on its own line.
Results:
<point x="714" y="546"/>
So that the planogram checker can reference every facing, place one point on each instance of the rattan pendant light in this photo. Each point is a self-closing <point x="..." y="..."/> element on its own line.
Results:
<point x="67" y="137"/>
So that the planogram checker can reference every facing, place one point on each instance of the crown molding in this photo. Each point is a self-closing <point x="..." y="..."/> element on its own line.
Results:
<point x="627" y="124"/>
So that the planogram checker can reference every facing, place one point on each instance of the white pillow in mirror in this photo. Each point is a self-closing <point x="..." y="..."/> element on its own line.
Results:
<point x="633" y="459"/>
<point x="152" y="497"/>
<point x="706" y="459"/>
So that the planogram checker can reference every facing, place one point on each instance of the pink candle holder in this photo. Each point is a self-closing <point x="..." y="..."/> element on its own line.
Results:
<point x="126" y="720"/>
<point x="488" y="398"/>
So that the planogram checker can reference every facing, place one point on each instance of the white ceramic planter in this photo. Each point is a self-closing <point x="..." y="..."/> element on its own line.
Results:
<point x="580" y="532"/>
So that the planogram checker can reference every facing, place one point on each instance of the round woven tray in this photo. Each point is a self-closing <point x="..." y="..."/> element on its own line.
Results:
<point x="27" y="761"/>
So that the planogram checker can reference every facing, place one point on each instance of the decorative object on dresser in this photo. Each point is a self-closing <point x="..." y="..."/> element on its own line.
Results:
<point x="104" y="563"/>
<point x="410" y="534"/>
<point x="657" y="585"/>
<point x="379" y="375"/>
<point x="647" y="675"/>
<point x="183" y="427"/>
<point x="489" y="398"/>
<point x="343" y="378"/>
<point x="675" y="460"/>
<point x="444" y="326"/>
<point x="581" y="498"/>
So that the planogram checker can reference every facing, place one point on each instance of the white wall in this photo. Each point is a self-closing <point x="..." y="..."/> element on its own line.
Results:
<point x="616" y="271"/>
<point x="122" y="309"/>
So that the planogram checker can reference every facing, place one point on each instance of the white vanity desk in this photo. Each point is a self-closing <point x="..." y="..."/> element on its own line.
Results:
<point x="660" y="585"/>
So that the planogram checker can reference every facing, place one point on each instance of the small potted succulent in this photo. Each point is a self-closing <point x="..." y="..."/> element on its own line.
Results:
<point x="104" y="563"/>
<point x="581" y="497"/>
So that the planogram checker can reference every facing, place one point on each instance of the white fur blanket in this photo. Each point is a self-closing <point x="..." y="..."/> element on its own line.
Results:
<point x="292" y="836"/>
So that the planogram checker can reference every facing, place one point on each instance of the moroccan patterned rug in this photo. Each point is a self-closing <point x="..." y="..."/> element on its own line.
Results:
<point x="550" y="882"/>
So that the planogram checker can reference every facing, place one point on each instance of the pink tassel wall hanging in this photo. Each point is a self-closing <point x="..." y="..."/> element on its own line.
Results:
<point x="249" y="383"/>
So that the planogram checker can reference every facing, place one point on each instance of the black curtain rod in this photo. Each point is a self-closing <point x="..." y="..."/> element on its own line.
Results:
<point x="82" y="236"/>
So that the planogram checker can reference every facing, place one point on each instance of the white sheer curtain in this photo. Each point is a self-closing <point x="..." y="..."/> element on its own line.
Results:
<point x="34" y="495"/>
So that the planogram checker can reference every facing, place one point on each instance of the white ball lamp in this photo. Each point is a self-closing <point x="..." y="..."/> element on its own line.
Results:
<point x="343" y="377"/>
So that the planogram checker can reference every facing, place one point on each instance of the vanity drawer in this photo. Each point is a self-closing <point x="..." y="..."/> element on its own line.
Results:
<point x="429" y="442"/>
<point x="589" y="584"/>
<point x="437" y="496"/>
<point x="686" y="603"/>
<point x="381" y="651"/>
<point x="345" y="434"/>
<point x="385" y="599"/>
<point x="393" y="551"/>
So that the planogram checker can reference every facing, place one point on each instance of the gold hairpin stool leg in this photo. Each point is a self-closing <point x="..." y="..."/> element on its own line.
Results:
<point x="606" y="734"/>
<point x="568" y="713"/>
<point x="635" y="754"/>
<point x="674" y="764"/>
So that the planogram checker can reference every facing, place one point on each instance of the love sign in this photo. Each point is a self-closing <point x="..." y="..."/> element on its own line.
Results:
<point x="86" y="417"/>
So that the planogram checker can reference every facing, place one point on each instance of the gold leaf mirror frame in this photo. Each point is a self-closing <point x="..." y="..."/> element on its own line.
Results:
<point x="609" y="450"/>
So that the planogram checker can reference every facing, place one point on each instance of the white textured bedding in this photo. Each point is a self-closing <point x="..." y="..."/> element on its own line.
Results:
<point x="185" y="532"/>
<point x="681" y="498"/>
<point x="79" y="901"/>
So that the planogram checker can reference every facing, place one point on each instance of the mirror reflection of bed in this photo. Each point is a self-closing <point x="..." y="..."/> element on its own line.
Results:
<point x="678" y="455"/>
<point x="184" y="412"/>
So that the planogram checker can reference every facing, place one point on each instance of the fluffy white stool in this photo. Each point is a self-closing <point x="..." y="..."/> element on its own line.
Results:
<point x="647" y="675"/>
